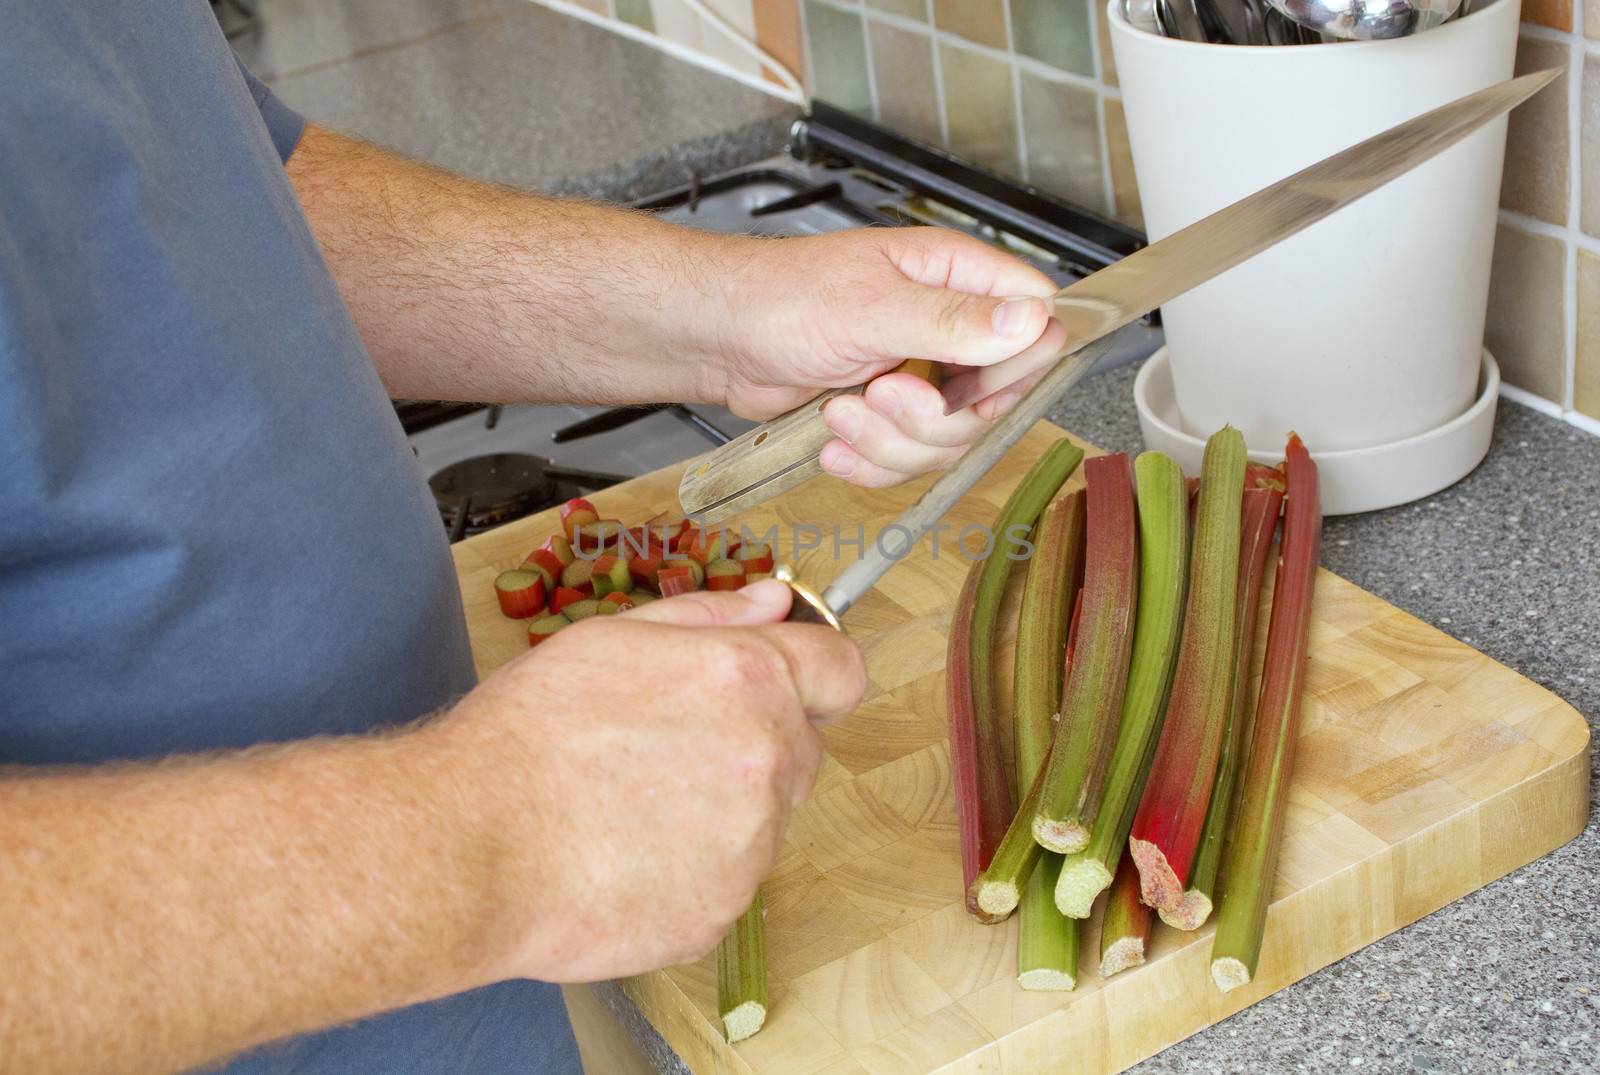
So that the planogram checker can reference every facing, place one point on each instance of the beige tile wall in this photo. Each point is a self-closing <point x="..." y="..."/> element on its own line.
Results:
<point x="1027" y="88"/>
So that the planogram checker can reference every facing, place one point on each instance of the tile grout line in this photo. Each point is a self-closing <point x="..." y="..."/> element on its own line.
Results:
<point x="1016" y="92"/>
<point x="1574" y="201"/>
<point x="1108" y="189"/>
<point x="938" y="78"/>
<point x="873" y="96"/>
<point x="1534" y="226"/>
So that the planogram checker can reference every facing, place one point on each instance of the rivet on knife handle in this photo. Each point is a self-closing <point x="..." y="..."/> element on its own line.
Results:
<point x="769" y="459"/>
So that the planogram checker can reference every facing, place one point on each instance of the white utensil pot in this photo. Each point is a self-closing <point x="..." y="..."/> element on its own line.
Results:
<point x="1367" y="327"/>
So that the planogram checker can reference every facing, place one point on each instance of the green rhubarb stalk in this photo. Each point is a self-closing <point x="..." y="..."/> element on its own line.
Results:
<point x="1125" y="927"/>
<point x="1047" y="941"/>
<point x="1172" y="808"/>
<point x="1251" y="858"/>
<point x="742" y="974"/>
<point x="1163" y="499"/>
<point x="1053" y="574"/>
<point x="982" y="786"/>
<point x="1262" y="501"/>
<point x="1091" y="702"/>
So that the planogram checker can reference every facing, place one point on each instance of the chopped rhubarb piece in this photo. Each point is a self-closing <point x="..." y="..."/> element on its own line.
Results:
<point x="610" y="575"/>
<point x="521" y="593"/>
<point x="602" y="535"/>
<point x="547" y="564"/>
<point x="560" y="547"/>
<point x="644" y="567"/>
<point x="756" y="558"/>
<point x="576" y="513"/>
<point x="675" y="580"/>
<point x="564" y="596"/>
<point x="578" y="576"/>
<point x="713" y="544"/>
<point x="543" y="627"/>
<point x="581" y="610"/>
<point x="724" y="575"/>
<point x="615" y="602"/>
<point x="756" y="576"/>
<point x="642" y="597"/>
<point x="664" y="527"/>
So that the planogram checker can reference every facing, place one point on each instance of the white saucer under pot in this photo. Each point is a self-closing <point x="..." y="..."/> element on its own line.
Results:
<point x="1352" y="480"/>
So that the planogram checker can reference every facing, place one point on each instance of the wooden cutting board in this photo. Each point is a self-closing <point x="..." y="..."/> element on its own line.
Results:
<point x="1424" y="771"/>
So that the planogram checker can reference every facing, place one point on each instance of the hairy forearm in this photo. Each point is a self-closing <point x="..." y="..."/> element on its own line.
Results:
<point x="466" y="290"/>
<point x="159" y="916"/>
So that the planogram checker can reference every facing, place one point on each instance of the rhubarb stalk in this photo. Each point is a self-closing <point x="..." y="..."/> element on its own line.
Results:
<point x="982" y="786"/>
<point x="1263" y="498"/>
<point x="1166" y="827"/>
<point x="1251" y="858"/>
<point x="1091" y="703"/>
<point x="742" y="974"/>
<point x="1125" y="927"/>
<point x="1163" y="571"/>
<point x="1047" y="598"/>
<point x="1047" y="942"/>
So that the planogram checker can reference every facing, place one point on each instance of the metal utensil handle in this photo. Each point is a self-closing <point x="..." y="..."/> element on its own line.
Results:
<point x="918" y="519"/>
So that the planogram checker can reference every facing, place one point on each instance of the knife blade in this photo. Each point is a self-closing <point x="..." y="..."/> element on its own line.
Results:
<point x="783" y="453"/>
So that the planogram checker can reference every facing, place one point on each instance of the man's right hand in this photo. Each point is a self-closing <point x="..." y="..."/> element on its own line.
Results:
<point x="643" y="768"/>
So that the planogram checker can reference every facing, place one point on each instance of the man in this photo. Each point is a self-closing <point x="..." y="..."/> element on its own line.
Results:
<point x="225" y="597"/>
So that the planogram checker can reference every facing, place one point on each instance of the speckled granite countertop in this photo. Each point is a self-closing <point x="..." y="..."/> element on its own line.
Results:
<point x="1508" y="560"/>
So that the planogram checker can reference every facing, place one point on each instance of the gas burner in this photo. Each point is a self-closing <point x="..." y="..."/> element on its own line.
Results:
<point x="485" y="491"/>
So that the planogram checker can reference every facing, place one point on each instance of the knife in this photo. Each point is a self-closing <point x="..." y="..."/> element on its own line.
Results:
<point x="781" y="454"/>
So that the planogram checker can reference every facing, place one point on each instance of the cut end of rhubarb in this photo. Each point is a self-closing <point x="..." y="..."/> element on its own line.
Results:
<point x="997" y="898"/>
<point x="1080" y="882"/>
<point x="1229" y="973"/>
<point x="1122" y="955"/>
<point x="1191" y="913"/>
<point x="1159" y="886"/>
<point x="1062" y="837"/>
<point x="1046" y="980"/>
<point x="744" y="1020"/>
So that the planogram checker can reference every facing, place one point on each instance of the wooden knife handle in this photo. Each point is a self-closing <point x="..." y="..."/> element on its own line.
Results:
<point x="784" y="451"/>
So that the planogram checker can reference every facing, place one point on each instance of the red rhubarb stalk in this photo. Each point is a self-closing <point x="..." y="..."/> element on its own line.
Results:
<point x="1091" y="703"/>
<point x="1263" y="498"/>
<point x="1125" y="926"/>
<point x="1251" y="858"/>
<point x="984" y="802"/>
<point x="1166" y="828"/>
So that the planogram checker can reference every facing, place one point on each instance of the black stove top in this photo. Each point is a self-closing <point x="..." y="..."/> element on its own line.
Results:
<point x="486" y="491"/>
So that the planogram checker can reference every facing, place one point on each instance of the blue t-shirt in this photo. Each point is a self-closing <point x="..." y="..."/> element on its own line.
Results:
<point x="212" y="530"/>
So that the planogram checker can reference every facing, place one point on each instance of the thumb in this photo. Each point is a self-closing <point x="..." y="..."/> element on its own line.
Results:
<point x="762" y="602"/>
<point x="946" y="325"/>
